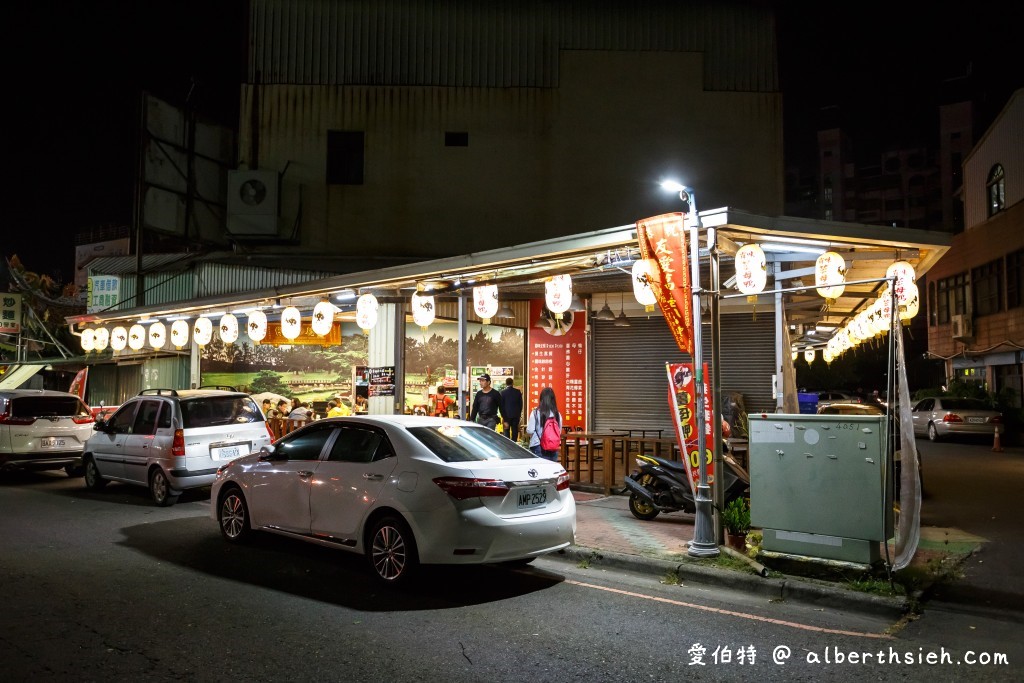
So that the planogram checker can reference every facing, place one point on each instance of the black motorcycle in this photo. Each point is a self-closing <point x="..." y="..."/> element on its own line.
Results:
<point x="661" y="486"/>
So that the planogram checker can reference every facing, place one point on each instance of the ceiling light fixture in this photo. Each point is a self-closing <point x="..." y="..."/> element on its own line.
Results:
<point x="606" y="312"/>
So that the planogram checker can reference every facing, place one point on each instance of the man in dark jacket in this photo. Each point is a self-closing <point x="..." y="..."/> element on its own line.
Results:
<point x="486" y="404"/>
<point x="511" y="410"/>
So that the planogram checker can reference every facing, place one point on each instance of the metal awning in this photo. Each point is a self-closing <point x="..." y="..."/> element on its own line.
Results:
<point x="18" y="375"/>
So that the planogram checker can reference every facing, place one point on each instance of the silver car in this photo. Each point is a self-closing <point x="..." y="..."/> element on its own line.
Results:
<point x="172" y="440"/>
<point x="944" y="416"/>
<point x="43" y="430"/>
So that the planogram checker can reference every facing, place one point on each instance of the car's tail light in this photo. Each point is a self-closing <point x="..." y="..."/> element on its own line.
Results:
<point x="563" y="481"/>
<point x="952" y="417"/>
<point x="178" y="444"/>
<point x="82" y="419"/>
<point x="997" y="420"/>
<point x="270" y="431"/>
<point x="6" y="419"/>
<point x="461" y="488"/>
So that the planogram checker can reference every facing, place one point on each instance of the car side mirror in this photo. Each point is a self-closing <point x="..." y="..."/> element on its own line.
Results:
<point x="100" y="425"/>
<point x="268" y="453"/>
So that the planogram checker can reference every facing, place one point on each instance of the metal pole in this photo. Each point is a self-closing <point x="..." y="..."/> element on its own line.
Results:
<point x="703" y="543"/>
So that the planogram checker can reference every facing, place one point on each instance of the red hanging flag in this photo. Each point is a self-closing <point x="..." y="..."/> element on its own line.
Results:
<point x="663" y="241"/>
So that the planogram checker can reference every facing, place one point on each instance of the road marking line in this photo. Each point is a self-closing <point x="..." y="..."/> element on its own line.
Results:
<point x="741" y="615"/>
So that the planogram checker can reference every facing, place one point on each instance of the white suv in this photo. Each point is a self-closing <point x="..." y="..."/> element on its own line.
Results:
<point x="173" y="440"/>
<point x="43" y="430"/>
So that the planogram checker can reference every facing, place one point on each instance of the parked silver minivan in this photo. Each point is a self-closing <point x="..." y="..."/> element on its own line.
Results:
<point x="172" y="440"/>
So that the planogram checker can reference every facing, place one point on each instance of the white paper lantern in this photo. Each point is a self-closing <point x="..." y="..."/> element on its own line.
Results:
<point x="323" y="318"/>
<point x="751" y="269"/>
<point x="136" y="337"/>
<point x="257" y="325"/>
<point x="118" y="338"/>
<point x="902" y="271"/>
<point x="422" y="310"/>
<point x="913" y="302"/>
<point x="485" y="302"/>
<point x="366" y="312"/>
<point x="809" y="355"/>
<point x="88" y="340"/>
<point x="179" y="333"/>
<point x="102" y="338"/>
<point x="202" y="331"/>
<point x="291" y="323"/>
<point x="228" y="328"/>
<point x="643" y="275"/>
<point x="157" y="335"/>
<point x="829" y="275"/>
<point x="557" y="293"/>
<point x="795" y="354"/>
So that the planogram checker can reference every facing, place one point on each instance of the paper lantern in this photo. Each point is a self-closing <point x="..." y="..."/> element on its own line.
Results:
<point x="366" y="312"/>
<point x="323" y="318"/>
<point x="829" y="275"/>
<point x="751" y="269"/>
<point x="257" y="325"/>
<point x="902" y="271"/>
<point x="102" y="338"/>
<point x="136" y="337"/>
<point x="422" y="310"/>
<point x="88" y="340"/>
<point x="228" y="328"/>
<point x="118" y="338"/>
<point x="809" y="355"/>
<point x="291" y="323"/>
<point x="913" y="302"/>
<point x="202" y="331"/>
<point x="558" y="293"/>
<point x="795" y="353"/>
<point x="157" y="335"/>
<point x="643" y="275"/>
<point x="485" y="302"/>
<point x="179" y="333"/>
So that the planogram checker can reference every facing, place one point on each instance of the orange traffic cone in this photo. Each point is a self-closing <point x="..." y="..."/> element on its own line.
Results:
<point x="997" y="447"/>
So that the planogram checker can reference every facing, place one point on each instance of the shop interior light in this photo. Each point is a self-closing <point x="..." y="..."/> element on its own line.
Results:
<point x="577" y="305"/>
<point x="606" y="313"/>
<point x="622" y="320"/>
<point x="345" y="295"/>
<point x="505" y="312"/>
<point x="212" y="314"/>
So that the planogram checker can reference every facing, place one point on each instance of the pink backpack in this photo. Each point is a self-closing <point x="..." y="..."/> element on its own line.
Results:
<point x="551" y="437"/>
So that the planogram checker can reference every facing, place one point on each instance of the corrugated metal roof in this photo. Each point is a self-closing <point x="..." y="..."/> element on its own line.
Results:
<point x="484" y="43"/>
<point x="126" y="265"/>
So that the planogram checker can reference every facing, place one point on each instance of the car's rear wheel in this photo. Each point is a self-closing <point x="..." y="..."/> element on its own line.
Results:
<point x="92" y="475"/>
<point x="233" y="516"/>
<point x="933" y="433"/>
<point x="392" y="550"/>
<point x="160" y="488"/>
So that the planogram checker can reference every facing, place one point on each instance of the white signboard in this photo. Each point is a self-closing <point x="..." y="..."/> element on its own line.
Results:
<point x="10" y="313"/>
<point x="104" y="292"/>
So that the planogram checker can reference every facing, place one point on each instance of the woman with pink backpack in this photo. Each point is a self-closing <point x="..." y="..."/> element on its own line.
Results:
<point x="545" y="426"/>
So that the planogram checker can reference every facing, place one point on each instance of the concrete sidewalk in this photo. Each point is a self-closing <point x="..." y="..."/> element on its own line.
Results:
<point x="608" y="534"/>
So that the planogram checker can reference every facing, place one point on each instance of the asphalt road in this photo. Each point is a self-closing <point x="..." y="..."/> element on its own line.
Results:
<point x="103" y="585"/>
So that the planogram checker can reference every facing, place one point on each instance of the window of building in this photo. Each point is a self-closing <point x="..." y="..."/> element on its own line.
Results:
<point x="345" y="149"/>
<point x="828" y="192"/>
<point x="951" y="297"/>
<point x="986" y="288"/>
<point x="1015" y="279"/>
<point x="996" y="190"/>
<point x="454" y="139"/>
<point x="933" y="312"/>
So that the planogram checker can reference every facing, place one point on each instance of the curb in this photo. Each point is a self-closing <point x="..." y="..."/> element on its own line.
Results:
<point x="787" y="589"/>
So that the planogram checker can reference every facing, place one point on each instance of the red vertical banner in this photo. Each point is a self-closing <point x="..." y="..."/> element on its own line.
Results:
<point x="682" y="397"/>
<point x="78" y="383"/>
<point x="557" y="358"/>
<point x="663" y="242"/>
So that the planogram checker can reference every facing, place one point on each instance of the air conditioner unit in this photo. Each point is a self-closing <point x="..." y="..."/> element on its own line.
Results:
<point x="963" y="327"/>
<point x="253" y="203"/>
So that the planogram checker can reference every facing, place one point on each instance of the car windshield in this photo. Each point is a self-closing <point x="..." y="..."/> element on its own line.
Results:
<point x="213" y="411"/>
<point x="48" y="406"/>
<point x="456" y="443"/>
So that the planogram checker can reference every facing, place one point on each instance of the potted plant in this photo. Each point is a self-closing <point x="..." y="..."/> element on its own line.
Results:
<point x="736" y="520"/>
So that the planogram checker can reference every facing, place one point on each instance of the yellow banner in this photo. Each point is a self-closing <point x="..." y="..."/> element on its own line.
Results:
<point x="306" y="338"/>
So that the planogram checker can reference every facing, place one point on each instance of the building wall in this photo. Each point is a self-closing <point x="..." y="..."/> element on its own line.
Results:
<point x="1003" y="144"/>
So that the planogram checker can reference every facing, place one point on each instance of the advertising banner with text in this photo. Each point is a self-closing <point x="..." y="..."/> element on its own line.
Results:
<point x="557" y="358"/>
<point x="682" y="395"/>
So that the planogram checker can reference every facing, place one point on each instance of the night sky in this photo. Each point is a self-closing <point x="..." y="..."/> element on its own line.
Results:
<point x="75" y="70"/>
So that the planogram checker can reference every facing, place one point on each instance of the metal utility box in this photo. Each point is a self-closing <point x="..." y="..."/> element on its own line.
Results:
<point x="817" y="485"/>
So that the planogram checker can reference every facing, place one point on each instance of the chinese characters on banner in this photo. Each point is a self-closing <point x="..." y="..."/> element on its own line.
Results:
<point x="663" y="240"/>
<point x="683" y="399"/>
<point x="103" y="292"/>
<point x="558" y="359"/>
<point x="10" y="313"/>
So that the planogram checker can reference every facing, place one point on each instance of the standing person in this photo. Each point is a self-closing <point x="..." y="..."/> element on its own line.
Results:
<point x="486" y="404"/>
<point x="442" y="402"/>
<point x="511" y="409"/>
<point x="547" y="407"/>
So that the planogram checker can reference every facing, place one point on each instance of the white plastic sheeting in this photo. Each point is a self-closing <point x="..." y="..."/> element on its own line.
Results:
<point x="908" y="531"/>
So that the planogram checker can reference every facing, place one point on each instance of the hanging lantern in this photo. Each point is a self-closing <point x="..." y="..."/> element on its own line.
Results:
<point x="366" y="312"/>
<point x="809" y="355"/>
<point x="157" y="335"/>
<point x="291" y="323"/>
<point x="558" y="293"/>
<point x="885" y="311"/>
<point x="179" y="333"/>
<point x="323" y="318"/>
<point x="902" y="271"/>
<point x="256" y="325"/>
<point x="118" y="338"/>
<point x="228" y="328"/>
<point x="102" y="338"/>
<point x="88" y="340"/>
<point x="829" y="275"/>
<point x="485" y="302"/>
<point x="202" y="331"/>
<point x="643" y="275"/>
<point x="913" y="302"/>
<point x="136" y="337"/>
<point x="422" y="310"/>
<point x="751" y="269"/>
<point x="795" y="353"/>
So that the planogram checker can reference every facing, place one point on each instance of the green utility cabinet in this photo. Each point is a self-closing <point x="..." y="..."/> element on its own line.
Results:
<point x="818" y="485"/>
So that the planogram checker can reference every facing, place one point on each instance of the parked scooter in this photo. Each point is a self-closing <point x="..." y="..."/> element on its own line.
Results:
<point x="661" y="486"/>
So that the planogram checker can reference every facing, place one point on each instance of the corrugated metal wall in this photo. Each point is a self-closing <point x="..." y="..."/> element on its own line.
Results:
<point x="168" y="372"/>
<point x="482" y="43"/>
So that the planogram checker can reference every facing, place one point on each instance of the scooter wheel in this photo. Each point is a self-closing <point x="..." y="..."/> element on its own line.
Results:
<point x="641" y="509"/>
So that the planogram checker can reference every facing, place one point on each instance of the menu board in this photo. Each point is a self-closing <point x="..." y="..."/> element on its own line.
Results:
<point x="382" y="380"/>
<point x="558" y="359"/>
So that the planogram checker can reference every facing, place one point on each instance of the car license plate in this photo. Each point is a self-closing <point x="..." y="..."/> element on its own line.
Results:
<point x="53" y="442"/>
<point x="226" y="453"/>
<point x="531" y="497"/>
<point x="976" y="420"/>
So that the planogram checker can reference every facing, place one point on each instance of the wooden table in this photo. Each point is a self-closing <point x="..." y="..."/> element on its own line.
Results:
<point x="599" y="459"/>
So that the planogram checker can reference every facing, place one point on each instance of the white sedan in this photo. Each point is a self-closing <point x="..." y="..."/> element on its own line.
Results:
<point x="401" y="489"/>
